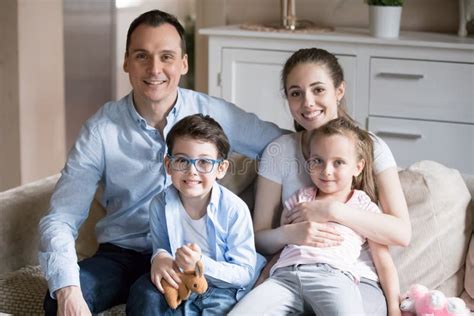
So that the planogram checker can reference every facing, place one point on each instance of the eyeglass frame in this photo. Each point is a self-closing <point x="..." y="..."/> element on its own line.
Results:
<point x="192" y="162"/>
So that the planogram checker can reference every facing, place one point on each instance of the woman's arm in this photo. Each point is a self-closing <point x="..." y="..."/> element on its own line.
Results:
<point x="388" y="276"/>
<point x="391" y="228"/>
<point x="267" y="214"/>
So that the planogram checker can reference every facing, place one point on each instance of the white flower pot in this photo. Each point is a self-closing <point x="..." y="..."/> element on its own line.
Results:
<point x="384" y="21"/>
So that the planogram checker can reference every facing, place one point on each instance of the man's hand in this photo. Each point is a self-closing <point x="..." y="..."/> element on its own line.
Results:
<point x="187" y="256"/>
<point x="71" y="301"/>
<point x="163" y="267"/>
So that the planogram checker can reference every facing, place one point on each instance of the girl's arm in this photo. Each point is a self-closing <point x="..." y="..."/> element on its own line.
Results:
<point x="267" y="213"/>
<point x="390" y="228"/>
<point x="388" y="276"/>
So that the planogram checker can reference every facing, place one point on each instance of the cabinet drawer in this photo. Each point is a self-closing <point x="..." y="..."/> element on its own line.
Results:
<point x="422" y="89"/>
<point x="412" y="140"/>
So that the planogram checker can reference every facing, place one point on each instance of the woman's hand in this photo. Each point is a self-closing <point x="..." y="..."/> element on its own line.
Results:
<point x="163" y="267"/>
<point x="312" y="234"/>
<point x="314" y="211"/>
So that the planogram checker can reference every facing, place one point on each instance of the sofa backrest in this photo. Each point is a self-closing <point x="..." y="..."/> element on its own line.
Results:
<point x="21" y="209"/>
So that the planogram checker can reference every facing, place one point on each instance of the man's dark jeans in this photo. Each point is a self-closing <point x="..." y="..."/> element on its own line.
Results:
<point x="106" y="278"/>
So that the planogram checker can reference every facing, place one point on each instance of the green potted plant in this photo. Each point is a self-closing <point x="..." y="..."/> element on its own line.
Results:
<point x="384" y="17"/>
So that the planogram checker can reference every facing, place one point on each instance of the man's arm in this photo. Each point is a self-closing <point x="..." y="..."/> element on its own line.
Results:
<point x="69" y="208"/>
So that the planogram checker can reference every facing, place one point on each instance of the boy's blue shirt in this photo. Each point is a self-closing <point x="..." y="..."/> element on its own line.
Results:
<point x="233" y="262"/>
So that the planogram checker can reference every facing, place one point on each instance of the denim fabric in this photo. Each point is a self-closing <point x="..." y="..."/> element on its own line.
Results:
<point x="107" y="277"/>
<point x="145" y="300"/>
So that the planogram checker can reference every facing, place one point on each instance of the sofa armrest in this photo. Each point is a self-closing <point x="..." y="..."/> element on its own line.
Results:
<point x="21" y="209"/>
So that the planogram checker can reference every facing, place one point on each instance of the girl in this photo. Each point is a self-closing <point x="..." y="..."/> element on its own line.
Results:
<point x="313" y="83"/>
<point x="324" y="279"/>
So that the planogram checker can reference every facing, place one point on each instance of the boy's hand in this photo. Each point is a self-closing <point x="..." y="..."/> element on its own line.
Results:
<point x="187" y="256"/>
<point x="163" y="267"/>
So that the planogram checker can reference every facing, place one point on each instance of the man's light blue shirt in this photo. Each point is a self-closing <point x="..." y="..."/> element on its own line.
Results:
<point x="233" y="261"/>
<point x="118" y="149"/>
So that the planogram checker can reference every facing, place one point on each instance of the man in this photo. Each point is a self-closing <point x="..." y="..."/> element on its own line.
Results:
<point x="122" y="147"/>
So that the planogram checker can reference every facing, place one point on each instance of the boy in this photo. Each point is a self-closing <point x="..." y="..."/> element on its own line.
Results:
<point x="197" y="219"/>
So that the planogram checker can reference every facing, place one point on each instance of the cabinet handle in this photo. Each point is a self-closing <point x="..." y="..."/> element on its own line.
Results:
<point x="401" y="75"/>
<point x="398" y="135"/>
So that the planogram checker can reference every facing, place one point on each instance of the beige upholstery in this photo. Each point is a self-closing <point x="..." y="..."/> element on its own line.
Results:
<point x="437" y="197"/>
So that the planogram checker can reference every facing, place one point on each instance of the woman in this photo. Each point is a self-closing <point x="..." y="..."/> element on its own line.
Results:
<point x="314" y="86"/>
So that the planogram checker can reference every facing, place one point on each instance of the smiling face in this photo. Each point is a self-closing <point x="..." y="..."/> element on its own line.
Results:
<point x="312" y="96"/>
<point x="333" y="163"/>
<point x="155" y="63"/>
<point x="190" y="183"/>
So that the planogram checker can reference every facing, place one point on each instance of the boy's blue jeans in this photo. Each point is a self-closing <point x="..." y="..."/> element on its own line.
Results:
<point x="106" y="278"/>
<point x="145" y="299"/>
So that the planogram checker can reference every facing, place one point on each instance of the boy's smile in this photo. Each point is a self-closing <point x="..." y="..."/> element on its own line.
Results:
<point x="192" y="184"/>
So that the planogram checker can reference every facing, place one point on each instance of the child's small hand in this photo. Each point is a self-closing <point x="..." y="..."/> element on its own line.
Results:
<point x="187" y="256"/>
<point x="163" y="267"/>
<point x="394" y="311"/>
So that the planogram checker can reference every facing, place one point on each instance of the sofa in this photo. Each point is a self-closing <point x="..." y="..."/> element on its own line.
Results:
<point x="440" y="255"/>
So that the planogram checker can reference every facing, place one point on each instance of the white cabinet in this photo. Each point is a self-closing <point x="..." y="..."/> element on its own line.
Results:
<point x="416" y="92"/>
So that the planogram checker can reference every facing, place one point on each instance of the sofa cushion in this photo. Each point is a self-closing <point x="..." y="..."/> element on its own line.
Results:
<point x="437" y="199"/>
<point x="21" y="208"/>
<point x="22" y="293"/>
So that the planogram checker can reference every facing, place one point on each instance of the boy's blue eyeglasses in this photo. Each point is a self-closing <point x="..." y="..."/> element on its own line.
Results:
<point x="202" y="165"/>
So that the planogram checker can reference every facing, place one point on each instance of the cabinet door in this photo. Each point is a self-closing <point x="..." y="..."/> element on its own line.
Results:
<point x="426" y="90"/>
<point x="252" y="80"/>
<point x="412" y="140"/>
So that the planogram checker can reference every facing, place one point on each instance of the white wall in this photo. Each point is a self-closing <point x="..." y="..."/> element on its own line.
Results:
<point x="32" y="79"/>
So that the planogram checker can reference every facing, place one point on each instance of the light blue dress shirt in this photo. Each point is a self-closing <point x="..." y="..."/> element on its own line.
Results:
<point x="118" y="149"/>
<point x="233" y="261"/>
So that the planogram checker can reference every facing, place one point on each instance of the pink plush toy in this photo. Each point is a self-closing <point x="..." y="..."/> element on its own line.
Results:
<point x="418" y="300"/>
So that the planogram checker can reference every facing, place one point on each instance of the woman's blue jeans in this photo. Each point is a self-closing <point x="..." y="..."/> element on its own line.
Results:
<point x="106" y="278"/>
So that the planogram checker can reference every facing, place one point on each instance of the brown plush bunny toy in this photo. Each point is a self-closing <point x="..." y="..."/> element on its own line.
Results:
<point x="191" y="281"/>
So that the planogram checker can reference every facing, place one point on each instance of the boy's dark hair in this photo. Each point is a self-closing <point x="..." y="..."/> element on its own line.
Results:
<point x="364" y="149"/>
<point x="156" y="18"/>
<point x="200" y="127"/>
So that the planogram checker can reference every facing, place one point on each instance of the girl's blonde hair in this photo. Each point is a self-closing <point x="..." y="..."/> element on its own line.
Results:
<point x="364" y="148"/>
